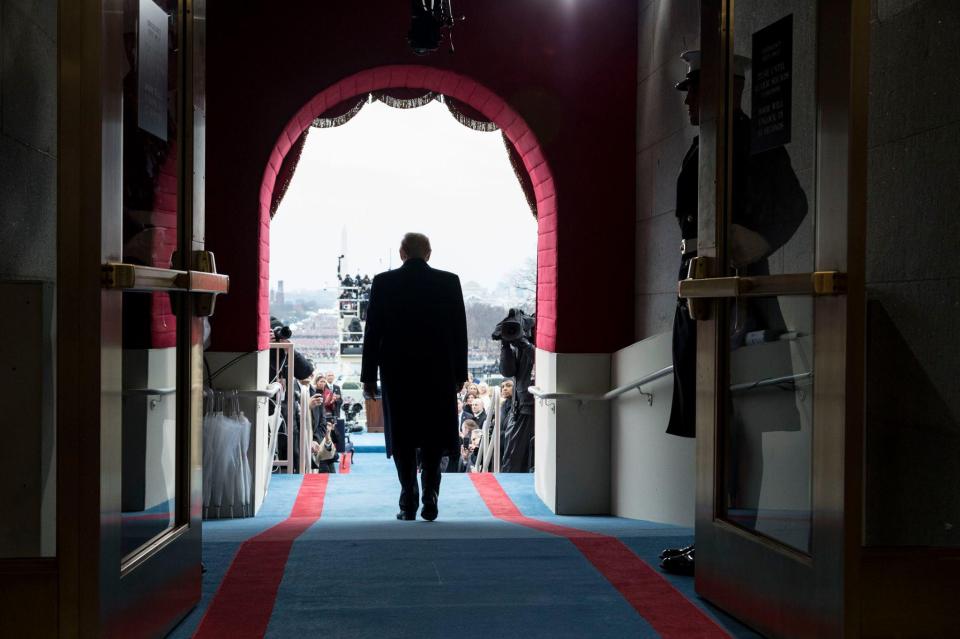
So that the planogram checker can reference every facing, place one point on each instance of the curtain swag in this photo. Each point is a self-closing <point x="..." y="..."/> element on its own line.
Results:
<point x="405" y="98"/>
<point x="401" y="98"/>
<point x="468" y="116"/>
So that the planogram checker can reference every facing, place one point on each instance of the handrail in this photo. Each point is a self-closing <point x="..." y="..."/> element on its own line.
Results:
<point x="149" y="392"/>
<point x="270" y="391"/>
<point x="663" y="372"/>
<point x="772" y="381"/>
<point x="646" y="379"/>
<point x="605" y="397"/>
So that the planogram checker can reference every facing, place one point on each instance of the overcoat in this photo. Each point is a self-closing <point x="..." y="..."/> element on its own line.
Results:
<point x="416" y="337"/>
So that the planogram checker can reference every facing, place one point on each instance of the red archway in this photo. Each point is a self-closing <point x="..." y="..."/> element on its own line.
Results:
<point x="465" y="90"/>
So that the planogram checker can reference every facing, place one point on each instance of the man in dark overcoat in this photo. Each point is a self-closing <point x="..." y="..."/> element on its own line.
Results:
<point x="416" y="336"/>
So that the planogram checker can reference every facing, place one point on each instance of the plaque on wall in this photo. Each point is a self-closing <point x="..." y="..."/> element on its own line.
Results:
<point x="772" y="91"/>
<point x="152" y="44"/>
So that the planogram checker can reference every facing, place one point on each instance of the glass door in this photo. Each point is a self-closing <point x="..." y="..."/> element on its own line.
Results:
<point x="157" y="285"/>
<point x="777" y="265"/>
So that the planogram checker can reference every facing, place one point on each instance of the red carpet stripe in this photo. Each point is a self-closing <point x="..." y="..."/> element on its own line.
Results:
<point x="244" y="601"/>
<point x="671" y="614"/>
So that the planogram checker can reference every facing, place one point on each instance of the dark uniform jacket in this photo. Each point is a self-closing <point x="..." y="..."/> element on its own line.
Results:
<point x="416" y="336"/>
<point x="767" y="198"/>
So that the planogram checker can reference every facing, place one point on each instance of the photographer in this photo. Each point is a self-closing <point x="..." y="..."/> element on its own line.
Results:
<point x="326" y="440"/>
<point x="515" y="333"/>
<point x="469" y="442"/>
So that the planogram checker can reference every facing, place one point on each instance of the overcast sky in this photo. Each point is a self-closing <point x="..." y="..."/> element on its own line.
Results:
<point x="389" y="171"/>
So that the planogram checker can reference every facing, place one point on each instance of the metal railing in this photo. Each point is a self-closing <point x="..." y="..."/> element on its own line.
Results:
<point x="269" y="392"/>
<point x="287" y="464"/>
<point x="488" y="453"/>
<point x="609" y="395"/>
<point x="652" y="377"/>
<point x="771" y="381"/>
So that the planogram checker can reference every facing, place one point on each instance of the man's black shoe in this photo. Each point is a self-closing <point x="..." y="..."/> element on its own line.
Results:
<point x="679" y="564"/>
<point x="429" y="512"/>
<point x="405" y="516"/>
<point x="673" y="552"/>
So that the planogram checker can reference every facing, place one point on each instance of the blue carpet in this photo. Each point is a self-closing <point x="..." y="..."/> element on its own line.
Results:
<point x="463" y="587"/>
<point x="368" y="443"/>
<point x="359" y="573"/>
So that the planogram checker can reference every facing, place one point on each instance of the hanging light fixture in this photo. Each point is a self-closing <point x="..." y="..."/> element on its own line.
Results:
<point x="428" y="21"/>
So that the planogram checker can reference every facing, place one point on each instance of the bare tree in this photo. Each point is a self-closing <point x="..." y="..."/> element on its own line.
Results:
<point x="523" y="281"/>
<point x="482" y="318"/>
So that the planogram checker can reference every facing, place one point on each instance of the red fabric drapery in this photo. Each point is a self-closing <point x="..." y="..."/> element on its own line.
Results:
<point x="285" y="174"/>
<point x="468" y="116"/>
<point x="523" y="176"/>
<point x="340" y="114"/>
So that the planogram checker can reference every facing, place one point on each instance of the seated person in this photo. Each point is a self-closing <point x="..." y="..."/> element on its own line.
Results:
<point x="324" y="446"/>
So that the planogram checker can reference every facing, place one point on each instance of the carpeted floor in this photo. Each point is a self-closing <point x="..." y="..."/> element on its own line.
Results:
<point x="326" y="558"/>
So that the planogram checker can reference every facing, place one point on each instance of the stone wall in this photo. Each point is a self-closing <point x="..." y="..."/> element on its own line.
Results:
<point x="28" y="267"/>
<point x="667" y="28"/>
<point x="28" y="139"/>
<point x="913" y="285"/>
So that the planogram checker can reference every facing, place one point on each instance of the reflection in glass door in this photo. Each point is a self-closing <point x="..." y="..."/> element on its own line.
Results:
<point x="766" y="452"/>
<point x="157" y="283"/>
<point x="151" y="232"/>
<point x="769" y="288"/>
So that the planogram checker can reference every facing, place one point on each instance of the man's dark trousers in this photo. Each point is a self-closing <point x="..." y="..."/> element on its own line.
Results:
<point x="406" y="462"/>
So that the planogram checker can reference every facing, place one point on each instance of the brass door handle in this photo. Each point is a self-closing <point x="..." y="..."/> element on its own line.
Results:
<point x="204" y="282"/>
<point x="819" y="283"/>
<point x="698" y="289"/>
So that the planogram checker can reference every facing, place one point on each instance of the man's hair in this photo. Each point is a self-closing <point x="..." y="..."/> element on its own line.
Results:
<point x="416" y="245"/>
<point x="470" y="424"/>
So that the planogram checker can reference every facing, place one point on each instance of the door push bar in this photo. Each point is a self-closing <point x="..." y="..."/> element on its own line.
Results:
<point x="697" y="289"/>
<point x="204" y="281"/>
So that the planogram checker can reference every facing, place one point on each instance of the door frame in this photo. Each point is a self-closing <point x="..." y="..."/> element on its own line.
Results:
<point x="775" y="589"/>
<point x="161" y="583"/>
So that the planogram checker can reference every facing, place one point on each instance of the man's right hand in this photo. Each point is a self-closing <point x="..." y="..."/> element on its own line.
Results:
<point x="370" y="390"/>
<point x="316" y="400"/>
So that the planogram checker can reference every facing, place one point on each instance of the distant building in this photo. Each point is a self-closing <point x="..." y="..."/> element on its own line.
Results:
<point x="474" y="291"/>
<point x="279" y="298"/>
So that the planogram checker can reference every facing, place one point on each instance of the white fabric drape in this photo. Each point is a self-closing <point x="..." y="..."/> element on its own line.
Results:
<point x="226" y="467"/>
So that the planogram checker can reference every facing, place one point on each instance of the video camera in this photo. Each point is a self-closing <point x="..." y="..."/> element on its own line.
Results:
<point x="514" y="327"/>
<point x="280" y="330"/>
